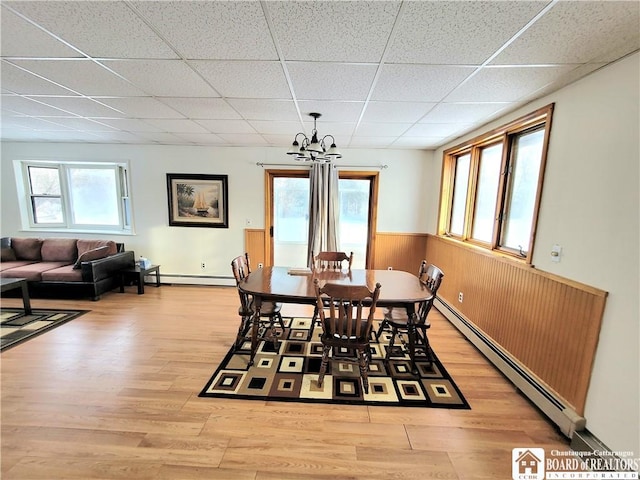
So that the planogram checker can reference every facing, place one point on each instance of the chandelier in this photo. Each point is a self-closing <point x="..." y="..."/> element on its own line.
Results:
<point x="314" y="150"/>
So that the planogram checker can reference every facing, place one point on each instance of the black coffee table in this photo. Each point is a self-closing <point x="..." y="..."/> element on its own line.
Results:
<point x="14" y="284"/>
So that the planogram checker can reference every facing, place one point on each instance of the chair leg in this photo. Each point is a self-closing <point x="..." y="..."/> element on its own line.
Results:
<point x="323" y="365"/>
<point x="314" y="319"/>
<point x="280" y="319"/>
<point x="243" y="329"/>
<point x="383" y="324"/>
<point x="394" y="333"/>
<point x="363" y="361"/>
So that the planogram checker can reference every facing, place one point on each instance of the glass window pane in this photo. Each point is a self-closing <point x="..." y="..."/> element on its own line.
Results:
<point x="354" y="218"/>
<point x="44" y="181"/>
<point x="461" y="183"/>
<point x="47" y="210"/>
<point x="291" y="221"/>
<point x="94" y="199"/>
<point x="487" y="193"/>
<point x="523" y="186"/>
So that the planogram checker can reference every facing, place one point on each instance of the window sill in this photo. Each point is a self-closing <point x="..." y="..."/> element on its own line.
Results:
<point x="515" y="260"/>
<point x="77" y="231"/>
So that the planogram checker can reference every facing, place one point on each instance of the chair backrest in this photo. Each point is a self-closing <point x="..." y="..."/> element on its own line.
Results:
<point x="346" y="306"/>
<point x="431" y="277"/>
<point x="332" y="260"/>
<point x="240" y="268"/>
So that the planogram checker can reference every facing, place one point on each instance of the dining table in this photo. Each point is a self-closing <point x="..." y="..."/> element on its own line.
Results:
<point x="399" y="289"/>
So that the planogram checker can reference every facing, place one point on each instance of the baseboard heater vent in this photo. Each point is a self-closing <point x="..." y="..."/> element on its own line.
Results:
<point x="210" y="280"/>
<point x="567" y="420"/>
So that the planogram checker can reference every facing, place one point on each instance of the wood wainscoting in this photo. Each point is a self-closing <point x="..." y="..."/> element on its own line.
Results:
<point x="548" y="324"/>
<point x="400" y="251"/>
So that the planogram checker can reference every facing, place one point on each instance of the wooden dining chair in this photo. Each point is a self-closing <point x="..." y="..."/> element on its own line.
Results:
<point x="397" y="319"/>
<point x="329" y="261"/>
<point x="346" y="326"/>
<point x="332" y="260"/>
<point x="270" y="311"/>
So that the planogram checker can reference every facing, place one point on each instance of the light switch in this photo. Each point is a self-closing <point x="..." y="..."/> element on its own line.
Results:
<point x="556" y="252"/>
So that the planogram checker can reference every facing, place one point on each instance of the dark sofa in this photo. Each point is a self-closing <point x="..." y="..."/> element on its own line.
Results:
<point x="65" y="267"/>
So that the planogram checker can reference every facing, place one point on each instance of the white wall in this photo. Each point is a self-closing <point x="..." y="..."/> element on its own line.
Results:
<point x="181" y="250"/>
<point x="590" y="206"/>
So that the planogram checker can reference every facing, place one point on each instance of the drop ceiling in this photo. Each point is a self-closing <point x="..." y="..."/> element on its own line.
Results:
<point x="247" y="73"/>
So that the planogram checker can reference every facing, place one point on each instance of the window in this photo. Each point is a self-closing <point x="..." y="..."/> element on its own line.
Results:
<point x="491" y="186"/>
<point x="76" y="196"/>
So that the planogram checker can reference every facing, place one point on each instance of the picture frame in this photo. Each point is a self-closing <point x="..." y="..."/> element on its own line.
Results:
<point x="198" y="200"/>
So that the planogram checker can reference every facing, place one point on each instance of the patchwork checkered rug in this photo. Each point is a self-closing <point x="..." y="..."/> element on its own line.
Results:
<point x="16" y="327"/>
<point x="291" y="374"/>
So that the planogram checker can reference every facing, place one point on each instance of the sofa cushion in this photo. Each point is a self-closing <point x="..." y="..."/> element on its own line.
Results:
<point x="17" y="263"/>
<point x="62" y="274"/>
<point x="32" y="271"/>
<point x="59" y="250"/>
<point x="27" y="248"/>
<point x="7" y="254"/>
<point x="93" y="254"/>
<point x="85" y="245"/>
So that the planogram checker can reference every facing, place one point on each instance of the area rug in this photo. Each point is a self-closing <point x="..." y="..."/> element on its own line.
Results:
<point x="291" y="374"/>
<point x="16" y="327"/>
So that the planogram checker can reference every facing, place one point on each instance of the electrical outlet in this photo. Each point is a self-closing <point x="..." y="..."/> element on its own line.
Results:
<point x="460" y="297"/>
<point x="203" y="266"/>
<point x="260" y="265"/>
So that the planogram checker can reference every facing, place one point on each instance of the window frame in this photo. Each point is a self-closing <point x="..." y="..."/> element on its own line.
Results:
<point x="27" y="209"/>
<point x="506" y="135"/>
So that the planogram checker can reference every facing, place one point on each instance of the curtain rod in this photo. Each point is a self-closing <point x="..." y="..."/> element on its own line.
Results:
<point x="308" y="165"/>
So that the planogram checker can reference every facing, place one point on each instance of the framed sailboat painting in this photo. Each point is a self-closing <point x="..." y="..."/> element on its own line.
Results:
<point x="197" y="200"/>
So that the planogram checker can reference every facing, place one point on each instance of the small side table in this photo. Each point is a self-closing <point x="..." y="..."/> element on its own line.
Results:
<point x="136" y="274"/>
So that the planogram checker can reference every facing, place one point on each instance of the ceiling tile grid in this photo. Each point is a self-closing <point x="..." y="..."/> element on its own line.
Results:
<point x="383" y="74"/>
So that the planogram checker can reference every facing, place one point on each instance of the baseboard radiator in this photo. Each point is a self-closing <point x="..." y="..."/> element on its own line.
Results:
<point x="567" y="419"/>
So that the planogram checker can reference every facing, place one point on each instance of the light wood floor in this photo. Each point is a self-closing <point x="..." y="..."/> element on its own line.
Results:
<point x="113" y="395"/>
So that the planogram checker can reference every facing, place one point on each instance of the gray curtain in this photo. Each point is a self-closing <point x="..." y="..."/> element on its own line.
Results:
<point x="324" y="210"/>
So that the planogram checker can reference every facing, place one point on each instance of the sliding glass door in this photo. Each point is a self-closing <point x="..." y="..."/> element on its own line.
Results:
<point x="288" y="216"/>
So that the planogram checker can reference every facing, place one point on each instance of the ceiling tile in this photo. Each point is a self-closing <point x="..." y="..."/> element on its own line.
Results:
<point x="99" y="29"/>
<point x="82" y="76"/>
<point x="82" y="124"/>
<point x="382" y="129"/>
<point x="130" y="125"/>
<point x="202" y="108"/>
<point x="402" y="112"/>
<point x="463" y="112"/>
<point x="577" y="32"/>
<point x="118" y="137"/>
<point x="162" y="138"/>
<point x="202" y="138"/>
<point x="455" y="32"/>
<point x="508" y="84"/>
<point x="243" y="79"/>
<point x="27" y="106"/>
<point x="81" y="106"/>
<point x="332" y="111"/>
<point x="163" y="78"/>
<point x="32" y="123"/>
<point x="419" y="83"/>
<point x="264" y="109"/>
<point x="243" y="139"/>
<point x="333" y="31"/>
<point x="437" y="129"/>
<point x="22" y="39"/>
<point x="276" y="128"/>
<point x="177" y="125"/>
<point x="424" y="143"/>
<point x="331" y="81"/>
<point x="141" y="107"/>
<point x="16" y="80"/>
<point x="377" y="141"/>
<point x="227" y="126"/>
<point x="212" y="30"/>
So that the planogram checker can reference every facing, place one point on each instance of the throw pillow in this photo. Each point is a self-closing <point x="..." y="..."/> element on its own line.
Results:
<point x="89" y="255"/>
<point x="27" y="248"/>
<point x="7" y="255"/>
